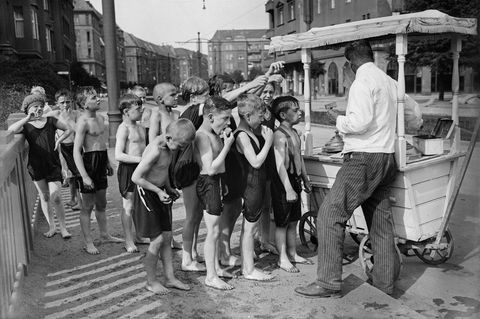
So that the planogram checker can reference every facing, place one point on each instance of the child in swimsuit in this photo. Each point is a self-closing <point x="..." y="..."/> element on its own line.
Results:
<point x="93" y="166"/>
<point x="153" y="198"/>
<point x="43" y="159"/>
<point x="286" y="185"/>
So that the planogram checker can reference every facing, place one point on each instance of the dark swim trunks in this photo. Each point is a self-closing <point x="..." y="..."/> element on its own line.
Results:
<point x="209" y="191"/>
<point x="124" y="176"/>
<point x="67" y="153"/>
<point x="43" y="160"/>
<point x="285" y="212"/>
<point x="150" y="216"/>
<point x="233" y="176"/>
<point x="96" y="166"/>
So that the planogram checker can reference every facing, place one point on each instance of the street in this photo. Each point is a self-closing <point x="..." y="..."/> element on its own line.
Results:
<point x="65" y="282"/>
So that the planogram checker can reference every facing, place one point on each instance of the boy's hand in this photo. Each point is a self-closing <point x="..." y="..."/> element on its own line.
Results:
<point x="260" y="81"/>
<point x="275" y="67"/>
<point x="45" y="195"/>
<point x="228" y="137"/>
<point x="332" y="116"/>
<point x="31" y="115"/>
<point x="267" y="134"/>
<point x="109" y="170"/>
<point x="291" y="196"/>
<point x="57" y="144"/>
<point x="164" y="198"/>
<point x="174" y="194"/>
<point x="306" y="186"/>
<point x="88" y="183"/>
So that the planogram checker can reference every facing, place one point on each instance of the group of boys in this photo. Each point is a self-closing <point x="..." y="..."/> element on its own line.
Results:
<point x="144" y="153"/>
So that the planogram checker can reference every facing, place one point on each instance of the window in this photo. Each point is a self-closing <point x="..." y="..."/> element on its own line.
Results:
<point x="291" y="10"/>
<point x="332" y="4"/>
<point x="368" y="15"/>
<point x="88" y="36"/>
<point x="46" y="5"/>
<point x="89" y="52"/>
<point x="348" y="1"/>
<point x="19" y="22"/>
<point x="67" y="53"/>
<point x="348" y="20"/>
<point x="319" y="6"/>
<point x="280" y="15"/>
<point x="48" y="39"/>
<point x="34" y="23"/>
<point x="66" y="28"/>
<point x="241" y="57"/>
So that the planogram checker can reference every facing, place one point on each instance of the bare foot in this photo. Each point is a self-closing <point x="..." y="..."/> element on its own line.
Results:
<point x="77" y="207"/>
<point x="230" y="261"/>
<point x="65" y="234"/>
<point x="288" y="267"/>
<point x="218" y="283"/>
<point x="225" y="274"/>
<point x="175" y="244"/>
<point x="197" y="257"/>
<point x="110" y="239"/>
<point x="131" y="248"/>
<point x="91" y="249"/>
<point x="142" y="241"/>
<point x="258" y="275"/>
<point x="50" y="233"/>
<point x="194" y="266"/>
<point x="157" y="288"/>
<point x="300" y="260"/>
<point x="175" y="283"/>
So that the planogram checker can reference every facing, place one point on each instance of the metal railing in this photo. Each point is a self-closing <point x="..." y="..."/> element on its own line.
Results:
<point x="18" y="207"/>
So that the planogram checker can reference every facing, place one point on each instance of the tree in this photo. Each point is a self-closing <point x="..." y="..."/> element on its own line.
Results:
<point x="254" y="72"/>
<point x="436" y="53"/>
<point x="80" y="77"/>
<point x="237" y="76"/>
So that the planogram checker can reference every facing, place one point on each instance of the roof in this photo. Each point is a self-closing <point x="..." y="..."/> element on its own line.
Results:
<point x="429" y="21"/>
<point x="133" y="41"/>
<point x="239" y="35"/>
<point x="186" y="53"/>
<point x="83" y="5"/>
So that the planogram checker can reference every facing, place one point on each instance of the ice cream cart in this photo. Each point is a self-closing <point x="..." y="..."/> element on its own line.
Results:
<point x="425" y="188"/>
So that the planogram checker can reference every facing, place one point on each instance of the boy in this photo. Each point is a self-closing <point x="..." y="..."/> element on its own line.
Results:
<point x="286" y="184"/>
<point x="152" y="200"/>
<point x="130" y="144"/>
<point x="252" y="156"/>
<point x="165" y="95"/>
<point x="210" y="152"/>
<point x="93" y="166"/>
<point x="69" y="115"/>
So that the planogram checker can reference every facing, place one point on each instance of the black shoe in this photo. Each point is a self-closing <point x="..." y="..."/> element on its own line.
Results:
<point x="314" y="290"/>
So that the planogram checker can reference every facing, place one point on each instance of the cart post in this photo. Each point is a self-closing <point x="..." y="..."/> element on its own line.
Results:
<point x="456" y="47"/>
<point x="306" y="60"/>
<point x="401" y="51"/>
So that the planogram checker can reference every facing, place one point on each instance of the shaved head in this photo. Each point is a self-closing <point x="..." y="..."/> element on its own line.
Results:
<point x="161" y="89"/>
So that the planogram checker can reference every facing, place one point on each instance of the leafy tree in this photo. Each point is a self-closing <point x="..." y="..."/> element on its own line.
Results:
<point x="254" y="72"/>
<point x="436" y="53"/>
<point x="80" y="77"/>
<point x="237" y="76"/>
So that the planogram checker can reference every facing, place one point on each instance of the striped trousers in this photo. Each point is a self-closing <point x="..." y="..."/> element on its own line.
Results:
<point x="363" y="180"/>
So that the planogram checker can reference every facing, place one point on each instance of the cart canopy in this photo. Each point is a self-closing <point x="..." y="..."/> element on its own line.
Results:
<point x="428" y="21"/>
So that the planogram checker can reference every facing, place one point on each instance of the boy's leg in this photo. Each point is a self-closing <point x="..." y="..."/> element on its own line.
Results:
<point x="248" y="266"/>
<point x="281" y="240"/>
<point x="56" y="201"/>
<point x="100" y="205"/>
<point x="292" y="245"/>
<point x="192" y="221"/>
<point x="231" y="211"/>
<point x="127" y="222"/>
<point x="44" y="194"/>
<point x="88" y="200"/>
<point x="150" y="264"/>
<point x="210" y="247"/>
<point x="166" y="256"/>
<point x="266" y="231"/>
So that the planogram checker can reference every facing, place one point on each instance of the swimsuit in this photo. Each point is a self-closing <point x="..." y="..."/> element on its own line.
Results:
<point x="210" y="192"/>
<point x="124" y="175"/>
<point x="95" y="163"/>
<point x="150" y="216"/>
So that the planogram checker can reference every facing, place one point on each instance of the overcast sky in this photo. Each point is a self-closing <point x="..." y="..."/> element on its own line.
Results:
<point x="172" y="21"/>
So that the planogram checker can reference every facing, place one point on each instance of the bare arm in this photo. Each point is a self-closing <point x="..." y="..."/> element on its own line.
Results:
<point x="17" y="127"/>
<point x="211" y="165"/>
<point x="245" y="146"/>
<point x="120" y="146"/>
<point x="155" y="120"/>
<point x="257" y="83"/>
<point x="279" y="146"/>
<point x="77" y="152"/>
<point x="67" y="131"/>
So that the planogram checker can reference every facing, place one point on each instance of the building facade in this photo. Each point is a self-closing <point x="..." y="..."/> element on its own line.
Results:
<point x="147" y="63"/>
<point x="90" y="46"/>
<point x="38" y="29"/>
<point x="242" y="50"/>
<point x="295" y="16"/>
<point x="191" y="63"/>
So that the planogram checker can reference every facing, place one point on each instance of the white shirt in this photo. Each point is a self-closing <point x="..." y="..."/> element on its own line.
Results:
<point x="369" y="124"/>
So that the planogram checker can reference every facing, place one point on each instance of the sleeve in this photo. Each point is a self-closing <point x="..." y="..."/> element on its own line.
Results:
<point x="360" y="110"/>
<point x="413" y="115"/>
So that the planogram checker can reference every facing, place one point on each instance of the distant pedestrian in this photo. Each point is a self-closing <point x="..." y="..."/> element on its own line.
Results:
<point x="43" y="159"/>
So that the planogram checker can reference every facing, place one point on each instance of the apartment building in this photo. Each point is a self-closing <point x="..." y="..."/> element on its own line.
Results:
<point x="38" y="29"/>
<point x="230" y="50"/>
<point x="191" y="63"/>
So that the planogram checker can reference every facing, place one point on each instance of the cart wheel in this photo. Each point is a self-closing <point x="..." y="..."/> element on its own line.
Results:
<point x="442" y="255"/>
<point x="366" y="256"/>
<point x="307" y="230"/>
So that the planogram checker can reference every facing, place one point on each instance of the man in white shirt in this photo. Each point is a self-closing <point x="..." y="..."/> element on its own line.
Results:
<point x="369" y="167"/>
